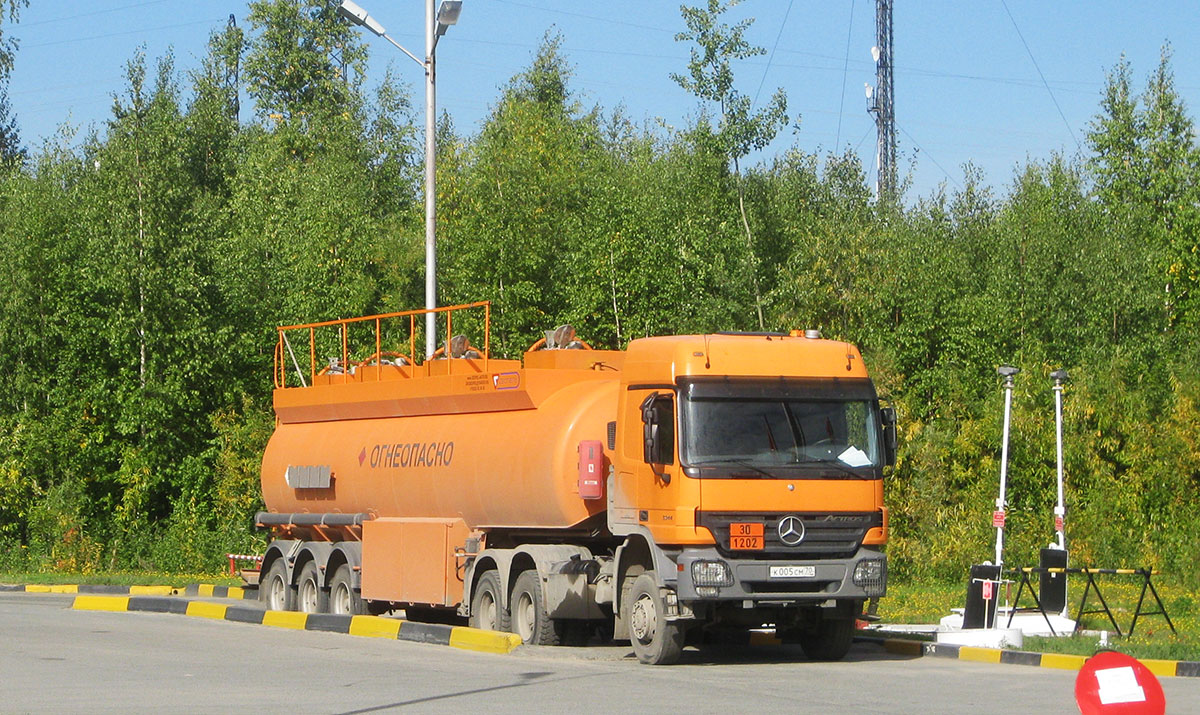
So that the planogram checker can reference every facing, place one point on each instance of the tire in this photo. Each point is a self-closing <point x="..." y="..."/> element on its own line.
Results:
<point x="487" y="607"/>
<point x="529" y="617"/>
<point x="656" y="641"/>
<point x="828" y="640"/>
<point x="344" y="599"/>
<point x="275" y="591"/>
<point x="310" y="597"/>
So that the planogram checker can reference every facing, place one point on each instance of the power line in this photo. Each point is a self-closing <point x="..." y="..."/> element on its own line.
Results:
<point x="845" y="73"/>
<point x="772" y="55"/>
<point x="91" y="14"/>
<point x="935" y="161"/>
<point x="125" y="32"/>
<point x="1039" y="71"/>
<point x="541" y="8"/>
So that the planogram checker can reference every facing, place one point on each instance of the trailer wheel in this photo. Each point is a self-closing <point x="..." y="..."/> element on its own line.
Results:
<point x="656" y="641"/>
<point x="343" y="599"/>
<point x="310" y="597"/>
<point x="275" y="591"/>
<point x="487" y="610"/>
<point x="529" y="617"/>
<point x="828" y="640"/>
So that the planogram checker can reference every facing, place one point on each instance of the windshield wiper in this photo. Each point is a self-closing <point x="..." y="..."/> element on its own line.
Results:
<point x="825" y="462"/>
<point x="734" y="461"/>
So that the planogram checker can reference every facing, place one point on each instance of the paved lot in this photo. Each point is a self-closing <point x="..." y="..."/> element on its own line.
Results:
<point x="53" y="659"/>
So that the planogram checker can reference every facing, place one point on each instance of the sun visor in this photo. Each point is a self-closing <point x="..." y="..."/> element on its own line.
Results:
<point x="786" y="388"/>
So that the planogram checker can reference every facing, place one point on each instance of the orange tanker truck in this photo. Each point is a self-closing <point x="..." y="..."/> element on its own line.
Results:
<point x="685" y="484"/>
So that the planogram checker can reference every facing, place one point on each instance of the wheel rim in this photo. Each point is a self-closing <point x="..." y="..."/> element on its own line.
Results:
<point x="278" y="592"/>
<point x="487" y="611"/>
<point x="308" y="596"/>
<point x="525" y="617"/>
<point x="643" y="618"/>
<point x="339" y="600"/>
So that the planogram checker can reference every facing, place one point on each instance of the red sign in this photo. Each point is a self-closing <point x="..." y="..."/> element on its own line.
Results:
<point x="987" y="590"/>
<point x="1112" y="682"/>
<point x="1058" y="523"/>
<point x="998" y="519"/>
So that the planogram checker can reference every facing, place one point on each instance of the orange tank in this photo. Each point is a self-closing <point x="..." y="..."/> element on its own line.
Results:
<point x="491" y="442"/>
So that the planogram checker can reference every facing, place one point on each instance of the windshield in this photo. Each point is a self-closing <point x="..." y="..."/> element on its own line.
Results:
<point x="765" y="433"/>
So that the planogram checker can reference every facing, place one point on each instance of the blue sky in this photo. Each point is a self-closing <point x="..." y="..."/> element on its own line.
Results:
<point x="966" y="87"/>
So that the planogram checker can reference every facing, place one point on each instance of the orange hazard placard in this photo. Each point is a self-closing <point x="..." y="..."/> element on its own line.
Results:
<point x="746" y="536"/>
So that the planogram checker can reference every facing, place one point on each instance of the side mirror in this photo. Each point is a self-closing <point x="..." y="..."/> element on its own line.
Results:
<point x="887" y="416"/>
<point x="649" y="430"/>
<point x="658" y="429"/>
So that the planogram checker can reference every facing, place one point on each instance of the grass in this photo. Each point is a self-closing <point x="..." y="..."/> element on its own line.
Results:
<point x="130" y="578"/>
<point x="911" y="603"/>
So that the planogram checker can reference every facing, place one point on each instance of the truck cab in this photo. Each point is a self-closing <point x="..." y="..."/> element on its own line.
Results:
<point x="747" y="484"/>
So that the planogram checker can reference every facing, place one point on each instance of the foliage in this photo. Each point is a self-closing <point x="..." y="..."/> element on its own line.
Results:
<point x="149" y="264"/>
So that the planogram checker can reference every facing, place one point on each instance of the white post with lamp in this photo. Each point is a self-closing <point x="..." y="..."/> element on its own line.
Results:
<point x="435" y="26"/>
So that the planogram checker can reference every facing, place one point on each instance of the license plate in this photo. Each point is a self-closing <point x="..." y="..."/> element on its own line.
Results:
<point x="746" y="536"/>
<point x="793" y="571"/>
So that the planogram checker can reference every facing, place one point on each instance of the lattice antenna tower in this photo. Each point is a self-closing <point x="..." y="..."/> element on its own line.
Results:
<point x="233" y="71"/>
<point x="881" y="102"/>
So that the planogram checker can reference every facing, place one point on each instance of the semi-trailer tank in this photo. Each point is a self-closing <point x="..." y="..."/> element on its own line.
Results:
<point x="684" y="485"/>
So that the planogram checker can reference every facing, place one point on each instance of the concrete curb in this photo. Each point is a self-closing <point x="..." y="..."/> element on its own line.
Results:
<point x="1060" y="661"/>
<point x="202" y="590"/>
<point x="85" y="588"/>
<point x="365" y="626"/>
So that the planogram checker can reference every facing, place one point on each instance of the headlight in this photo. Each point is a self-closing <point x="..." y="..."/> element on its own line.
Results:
<point x="869" y="575"/>
<point x="711" y="573"/>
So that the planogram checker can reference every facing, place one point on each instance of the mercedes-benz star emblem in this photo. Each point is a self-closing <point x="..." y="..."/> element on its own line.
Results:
<point x="791" y="530"/>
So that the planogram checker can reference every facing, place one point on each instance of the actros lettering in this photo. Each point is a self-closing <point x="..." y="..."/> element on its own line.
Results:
<point x="412" y="454"/>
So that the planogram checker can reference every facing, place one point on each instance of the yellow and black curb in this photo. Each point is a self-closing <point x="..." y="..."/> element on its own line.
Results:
<point x="207" y="590"/>
<point x="367" y="626"/>
<point x="90" y="589"/>
<point x="1060" y="661"/>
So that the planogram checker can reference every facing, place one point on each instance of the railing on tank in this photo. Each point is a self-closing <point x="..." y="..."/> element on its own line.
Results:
<point x="286" y="360"/>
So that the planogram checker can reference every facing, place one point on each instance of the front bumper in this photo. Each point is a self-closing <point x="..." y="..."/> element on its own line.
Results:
<point x="752" y="580"/>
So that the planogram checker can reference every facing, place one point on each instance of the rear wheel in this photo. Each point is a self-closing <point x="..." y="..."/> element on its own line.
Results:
<point x="656" y="641"/>
<point x="487" y="610"/>
<point x="529" y="617"/>
<point x="275" y="591"/>
<point x="310" y="597"/>
<point x="344" y="599"/>
<point x="828" y="640"/>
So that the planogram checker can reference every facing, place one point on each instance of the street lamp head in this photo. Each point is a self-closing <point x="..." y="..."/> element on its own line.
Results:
<point x="352" y="12"/>
<point x="447" y="15"/>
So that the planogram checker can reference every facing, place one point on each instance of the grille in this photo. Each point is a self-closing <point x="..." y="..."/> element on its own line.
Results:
<point x="826" y="536"/>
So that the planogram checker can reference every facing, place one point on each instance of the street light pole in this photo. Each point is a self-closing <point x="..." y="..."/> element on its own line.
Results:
<point x="436" y="24"/>
<point x="431" y="183"/>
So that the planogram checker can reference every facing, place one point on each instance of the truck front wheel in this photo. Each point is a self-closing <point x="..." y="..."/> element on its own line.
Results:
<point x="487" y="610"/>
<point x="656" y="641"/>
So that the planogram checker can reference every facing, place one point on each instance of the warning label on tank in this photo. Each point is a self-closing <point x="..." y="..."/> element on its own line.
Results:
<point x="412" y="454"/>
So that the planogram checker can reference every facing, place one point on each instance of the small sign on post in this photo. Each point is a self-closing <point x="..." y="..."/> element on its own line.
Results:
<point x="987" y="590"/>
<point x="998" y="519"/>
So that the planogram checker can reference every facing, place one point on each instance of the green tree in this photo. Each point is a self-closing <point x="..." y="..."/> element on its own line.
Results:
<point x="740" y="129"/>
<point x="302" y="60"/>
<point x="1147" y="169"/>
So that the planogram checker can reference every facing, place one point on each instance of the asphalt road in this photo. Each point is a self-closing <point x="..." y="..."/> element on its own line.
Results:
<point x="53" y="659"/>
